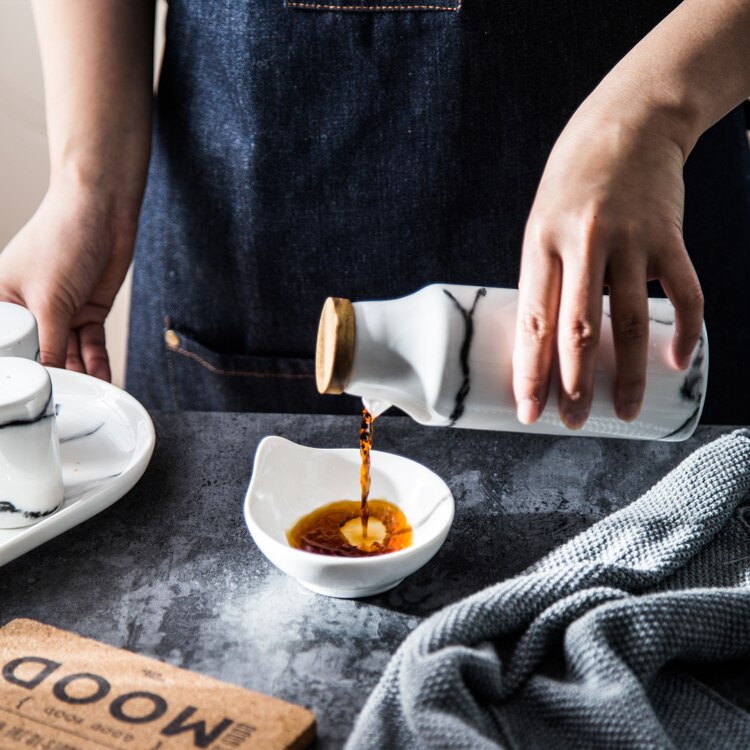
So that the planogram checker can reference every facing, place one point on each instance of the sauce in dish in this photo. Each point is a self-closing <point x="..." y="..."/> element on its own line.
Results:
<point x="337" y="529"/>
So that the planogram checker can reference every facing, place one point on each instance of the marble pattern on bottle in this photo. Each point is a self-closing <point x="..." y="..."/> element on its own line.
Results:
<point x="468" y="316"/>
<point x="672" y="403"/>
<point x="692" y="392"/>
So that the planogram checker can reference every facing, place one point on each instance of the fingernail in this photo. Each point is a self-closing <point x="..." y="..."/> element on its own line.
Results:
<point x="575" y="419"/>
<point x="683" y="362"/>
<point x="527" y="411"/>
<point x="628" y="411"/>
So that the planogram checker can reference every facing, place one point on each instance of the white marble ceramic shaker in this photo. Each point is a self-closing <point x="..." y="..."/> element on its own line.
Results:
<point x="31" y="485"/>
<point x="19" y="336"/>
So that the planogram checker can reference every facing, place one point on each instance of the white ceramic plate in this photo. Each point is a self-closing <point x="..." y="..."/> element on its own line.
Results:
<point x="106" y="441"/>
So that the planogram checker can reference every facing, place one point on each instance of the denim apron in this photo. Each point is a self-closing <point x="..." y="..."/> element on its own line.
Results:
<point x="363" y="149"/>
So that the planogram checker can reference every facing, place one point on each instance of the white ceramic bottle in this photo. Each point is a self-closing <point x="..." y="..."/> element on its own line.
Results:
<point x="443" y="356"/>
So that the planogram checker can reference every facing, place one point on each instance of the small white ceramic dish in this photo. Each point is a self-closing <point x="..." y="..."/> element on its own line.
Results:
<point x="291" y="480"/>
<point x="106" y="441"/>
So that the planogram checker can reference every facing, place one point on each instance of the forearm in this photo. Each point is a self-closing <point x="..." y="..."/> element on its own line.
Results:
<point x="691" y="70"/>
<point x="97" y="59"/>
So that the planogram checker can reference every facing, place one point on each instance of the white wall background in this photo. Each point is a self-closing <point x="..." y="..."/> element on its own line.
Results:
<point x="23" y="151"/>
<point x="24" y="165"/>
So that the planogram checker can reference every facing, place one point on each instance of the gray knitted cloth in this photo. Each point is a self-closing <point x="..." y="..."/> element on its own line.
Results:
<point x="587" y="648"/>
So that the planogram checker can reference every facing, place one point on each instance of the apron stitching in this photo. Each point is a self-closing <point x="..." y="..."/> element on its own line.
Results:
<point x="238" y="373"/>
<point x="173" y="381"/>
<point x="321" y="6"/>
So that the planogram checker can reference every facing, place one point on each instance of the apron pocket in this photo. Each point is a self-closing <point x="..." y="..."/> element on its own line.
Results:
<point x="204" y="380"/>
<point x="374" y="5"/>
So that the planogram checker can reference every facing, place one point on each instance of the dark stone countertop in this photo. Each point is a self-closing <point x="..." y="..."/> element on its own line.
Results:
<point x="170" y="571"/>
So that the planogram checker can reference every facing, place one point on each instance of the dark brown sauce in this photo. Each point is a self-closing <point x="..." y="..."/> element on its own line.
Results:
<point x="321" y="530"/>
<point x="347" y="528"/>
<point x="366" y="431"/>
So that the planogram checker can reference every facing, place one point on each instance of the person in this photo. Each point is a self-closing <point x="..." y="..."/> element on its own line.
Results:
<point x="302" y="149"/>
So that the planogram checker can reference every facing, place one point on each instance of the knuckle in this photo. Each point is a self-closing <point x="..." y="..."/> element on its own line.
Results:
<point x="582" y="336"/>
<point x="49" y="358"/>
<point x="45" y="308"/>
<point x="631" y="327"/>
<point x="96" y="359"/>
<point x="590" y="225"/>
<point x="93" y="337"/>
<point x="540" y="232"/>
<point x="595" y="225"/>
<point x="49" y="309"/>
<point x="599" y="232"/>
<point x="694" y="299"/>
<point x="537" y="328"/>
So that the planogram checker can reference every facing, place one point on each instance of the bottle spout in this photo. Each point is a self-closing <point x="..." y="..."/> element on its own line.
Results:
<point x="334" y="354"/>
<point x="376" y="406"/>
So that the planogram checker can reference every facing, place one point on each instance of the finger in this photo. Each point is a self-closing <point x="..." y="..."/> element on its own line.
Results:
<point x="578" y="331"/>
<point x="628" y="304"/>
<point x="54" y="330"/>
<point x="94" y="351"/>
<point x="536" y="318"/>
<point x="681" y="284"/>
<point x="73" y="359"/>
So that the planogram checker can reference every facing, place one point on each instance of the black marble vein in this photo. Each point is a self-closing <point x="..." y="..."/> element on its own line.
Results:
<point x="46" y="412"/>
<point x="8" y="507"/>
<point x="81" y="435"/>
<point x="468" y="316"/>
<point x="692" y="390"/>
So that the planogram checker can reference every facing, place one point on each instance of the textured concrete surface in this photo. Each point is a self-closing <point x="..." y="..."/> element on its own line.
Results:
<point x="171" y="572"/>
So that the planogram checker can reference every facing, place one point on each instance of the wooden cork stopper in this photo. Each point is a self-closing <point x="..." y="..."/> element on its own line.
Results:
<point x="335" y="351"/>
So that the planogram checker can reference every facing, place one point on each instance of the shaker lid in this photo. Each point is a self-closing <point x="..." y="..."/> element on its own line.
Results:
<point x="335" y="350"/>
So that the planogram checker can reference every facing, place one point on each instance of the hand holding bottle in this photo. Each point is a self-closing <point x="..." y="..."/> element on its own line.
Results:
<point x="609" y="208"/>
<point x="608" y="212"/>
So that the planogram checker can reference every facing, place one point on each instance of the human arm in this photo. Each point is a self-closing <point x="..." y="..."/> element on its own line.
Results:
<point x="609" y="210"/>
<point x="68" y="262"/>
